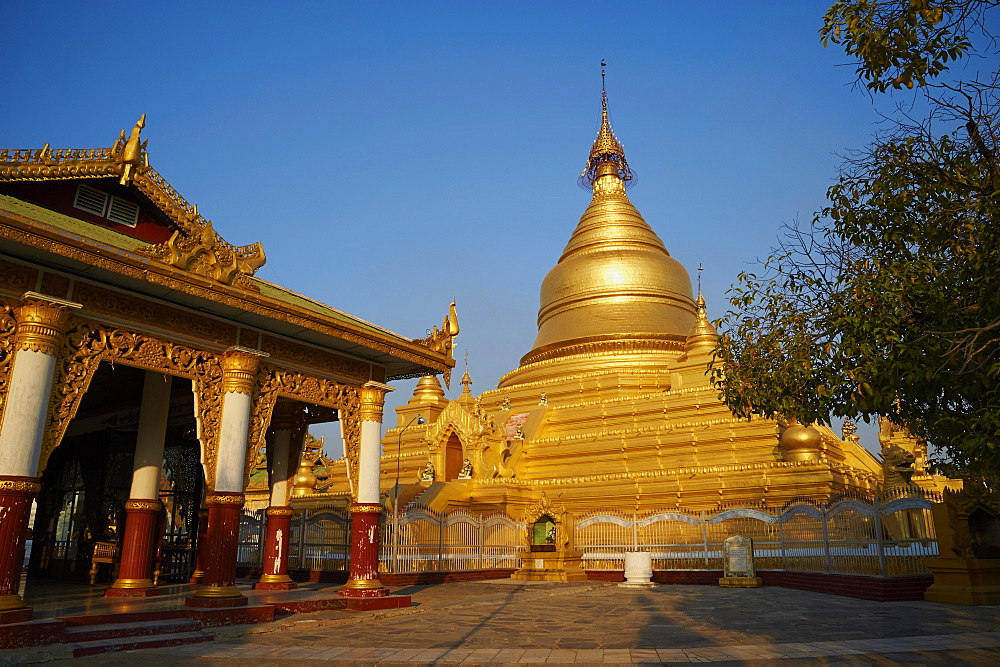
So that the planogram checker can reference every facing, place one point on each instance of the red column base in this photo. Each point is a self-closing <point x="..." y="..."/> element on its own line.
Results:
<point x="21" y="615"/>
<point x="364" y="582"/>
<point x="216" y="603"/>
<point x="352" y="592"/>
<point x="371" y="604"/>
<point x="132" y="592"/>
<point x="276" y="586"/>
<point x="275" y="561"/>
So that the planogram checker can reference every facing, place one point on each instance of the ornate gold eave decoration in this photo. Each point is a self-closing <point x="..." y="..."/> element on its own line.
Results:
<point x="32" y="233"/>
<point x="195" y="246"/>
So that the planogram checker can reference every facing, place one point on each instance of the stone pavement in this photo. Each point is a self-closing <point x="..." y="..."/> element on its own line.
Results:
<point x="597" y="622"/>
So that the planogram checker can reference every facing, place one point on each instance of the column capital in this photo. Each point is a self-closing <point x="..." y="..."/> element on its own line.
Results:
<point x="239" y="367"/>
<point x="373" y="400"/>
<point x="42" y="322"/>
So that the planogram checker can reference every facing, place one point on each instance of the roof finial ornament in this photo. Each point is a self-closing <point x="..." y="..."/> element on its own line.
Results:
<point x="700" y="269"/>
<point x="132" y="153"/>
<point x="606" y="152"/>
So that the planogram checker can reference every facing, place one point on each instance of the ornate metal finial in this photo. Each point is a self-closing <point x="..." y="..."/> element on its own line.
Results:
<point x="606" y="151"/>
<point x="466" y="379"/>
<point x="700" y="269"/>
<point x="849" y="429"/>
<point x="132" y="153"/>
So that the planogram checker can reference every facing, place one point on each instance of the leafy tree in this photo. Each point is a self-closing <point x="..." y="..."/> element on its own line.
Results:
<point x="889" y="302"/>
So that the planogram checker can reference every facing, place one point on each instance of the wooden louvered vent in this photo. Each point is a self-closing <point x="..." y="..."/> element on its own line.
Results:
<point x="123" y="212"/>
<point x="90" y="200"/>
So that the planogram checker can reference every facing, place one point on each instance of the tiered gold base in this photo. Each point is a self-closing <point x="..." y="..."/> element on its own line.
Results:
<point x="551" y="566"/>
<point x="974" y="581"/>
<point x="740" y="582"/>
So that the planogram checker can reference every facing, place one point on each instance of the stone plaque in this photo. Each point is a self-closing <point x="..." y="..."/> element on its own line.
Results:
<point x="738" y="563"/>
<point x="739" y="556"/>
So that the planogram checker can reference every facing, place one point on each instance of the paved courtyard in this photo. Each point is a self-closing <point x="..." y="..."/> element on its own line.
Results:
<point x="597" y="622"/>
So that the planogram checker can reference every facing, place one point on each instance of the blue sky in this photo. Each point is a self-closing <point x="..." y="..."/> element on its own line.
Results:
<point x="392" y="156"/>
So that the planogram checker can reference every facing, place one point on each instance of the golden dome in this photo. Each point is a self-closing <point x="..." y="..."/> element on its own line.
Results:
<point x="615" y="279"/>
<point x="428" y="387"/>
<point x="801" y="443"/>
<point x="304" y="481"/>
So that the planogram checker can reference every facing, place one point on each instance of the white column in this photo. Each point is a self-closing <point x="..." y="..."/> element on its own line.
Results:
<point x="153" y="414"/>
<point x="41" y="324"/>
<point x="239" y="371"/>
<point x="372" y="402"/>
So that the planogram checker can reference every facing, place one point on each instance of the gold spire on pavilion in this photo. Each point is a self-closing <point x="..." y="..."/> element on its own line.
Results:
<point x="615" y="279"/>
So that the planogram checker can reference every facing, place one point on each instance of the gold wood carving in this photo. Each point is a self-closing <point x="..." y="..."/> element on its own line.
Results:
<point x="143" y="505"/>
<point x="20" y="485"/>
<point x="283" y="350"/>
<point x="265" y="394"/>
<point x="207" y="254"/>
<point x="24" y="231"/>
<point x="365" y="508"/>
<point x="16" y="278"/>
<point x="239" y="369"/>
<point x="134" y="309"/>
<point x="372" y="402"/>
<point x="280" y="511"/>
<point x="56" y="285"/>
<point x="88" y="343"/>
<point x="41" y="325"/>
<point x="224" y="498"/>
<point x="7" y="327"/>
<point x="324" y="392"/>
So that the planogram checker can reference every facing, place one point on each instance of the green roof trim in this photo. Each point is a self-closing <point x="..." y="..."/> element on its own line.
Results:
<point x="74" y="226"/>
<point x="283" y="294"/>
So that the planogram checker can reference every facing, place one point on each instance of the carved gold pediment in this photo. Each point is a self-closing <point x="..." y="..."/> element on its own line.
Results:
<point x="469" y="427"/>
<point x="205" y="253"/>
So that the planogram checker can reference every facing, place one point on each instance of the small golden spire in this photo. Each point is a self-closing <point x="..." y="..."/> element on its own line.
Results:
<point x="466" y="380"/>
<point x="703" y="335"/>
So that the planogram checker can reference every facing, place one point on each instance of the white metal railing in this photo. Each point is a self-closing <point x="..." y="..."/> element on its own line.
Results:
<point x="849" y="536"/>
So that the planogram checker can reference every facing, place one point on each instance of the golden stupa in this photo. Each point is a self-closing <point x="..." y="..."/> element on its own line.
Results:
<point x="611" y="408"/>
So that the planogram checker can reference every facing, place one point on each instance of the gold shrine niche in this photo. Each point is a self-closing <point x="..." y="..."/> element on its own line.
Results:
<point x="551" y="555"/>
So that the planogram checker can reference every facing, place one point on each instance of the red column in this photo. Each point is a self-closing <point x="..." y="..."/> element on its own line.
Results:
<point x="16" y="494"/>
<point x="364" y="581"/>
<point x="138" y="550"/>
<point x="200" y="545"/>
<point x="218" y="585"/>
<point x="275" y="576"/>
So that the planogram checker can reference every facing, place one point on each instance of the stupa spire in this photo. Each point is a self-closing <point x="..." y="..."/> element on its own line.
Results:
<point x="607" y="156"/>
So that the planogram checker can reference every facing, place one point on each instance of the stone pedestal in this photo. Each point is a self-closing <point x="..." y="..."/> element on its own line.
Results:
<point x="218" y="585"/>
<point x="138" y="549"/>
<point x="969" y="581"/>
<point x="638" y="570"/>
<point x="275" y="576"/>
<point x="546" y="564"/>
<point x="364" y="581"/>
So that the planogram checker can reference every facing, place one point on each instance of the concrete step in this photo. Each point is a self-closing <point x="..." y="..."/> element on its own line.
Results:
<point x="86" y="633"/>
<point x="81" y="649"/>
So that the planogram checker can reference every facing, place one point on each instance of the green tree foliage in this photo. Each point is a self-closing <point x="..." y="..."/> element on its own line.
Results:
<point x="889" y="302"/>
